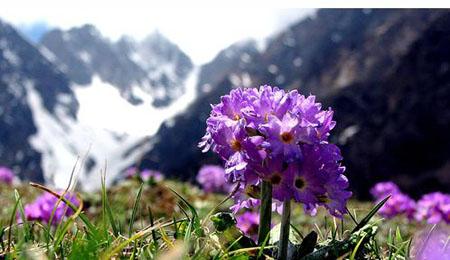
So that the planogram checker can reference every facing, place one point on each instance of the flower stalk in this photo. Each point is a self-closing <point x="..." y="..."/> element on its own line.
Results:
<point x="284" y="232"/>
<point x="265" y="216"/>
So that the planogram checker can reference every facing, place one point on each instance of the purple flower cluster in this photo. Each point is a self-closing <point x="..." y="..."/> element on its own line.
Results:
<point x="383" y="189"/>
<point x="46" y="205"/>
<point x="431" y="243"/>
<point x="151" y="175"/>
<point x="145" y="175"/>
<point x="248" y="223"/>
<point x="280" y="137"/>
<point x="6" y="175"/>
<point x="434" y="208"/>
<point x="212" y="179"/>
<point x="397" y="204"/>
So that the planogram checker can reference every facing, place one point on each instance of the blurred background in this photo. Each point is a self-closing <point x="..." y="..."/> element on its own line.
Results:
<point x="92" y="88"/>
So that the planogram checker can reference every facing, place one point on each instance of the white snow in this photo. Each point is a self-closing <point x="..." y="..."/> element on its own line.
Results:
<point x="106" y="127"/>
<point x="11" y="57"/>
<point x="85" y="56"/>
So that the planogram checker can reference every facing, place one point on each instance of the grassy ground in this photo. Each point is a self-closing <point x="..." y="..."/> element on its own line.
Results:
<point x="128" y="221"/>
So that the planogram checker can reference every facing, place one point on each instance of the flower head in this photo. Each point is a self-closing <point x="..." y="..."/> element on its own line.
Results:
<point x="398" y="204"/>
<point x="248" y="223"/>
<point x="6" y="175"/>
<point x="268" y="134"/>
<point x="131" y="172"/>
<point x="433" y="208"/>
<point x="151" y="175"/>
<point x="48" y="208"/>
<point x="212" y="179"/>
<point x="383" y="189"/>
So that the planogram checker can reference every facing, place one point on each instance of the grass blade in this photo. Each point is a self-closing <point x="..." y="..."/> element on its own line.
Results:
<point x="135" y="209"/>
<point x="367" y="218"/>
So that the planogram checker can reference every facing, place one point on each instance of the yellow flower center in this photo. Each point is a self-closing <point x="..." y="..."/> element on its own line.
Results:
<point x="235" y="145"/>
<point x="286" y="137"/>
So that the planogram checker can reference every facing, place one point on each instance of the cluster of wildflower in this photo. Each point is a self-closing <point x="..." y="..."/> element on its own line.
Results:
<point x="145" y="175"/>
<point x="212" y="179"/>
<point x="431" y="243"/>
<point x="397" y="204"/>
<point x="6" y="175"/>
<point x="48" y="208"/>
<point x="248" y="223"/>
<point x="268" y="134"/>
<point x="432" y="208"/>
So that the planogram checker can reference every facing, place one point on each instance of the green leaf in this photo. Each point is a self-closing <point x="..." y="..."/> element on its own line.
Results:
<point x="307" y="245"/>
<point x="369" y="216"/>
<point x="135" y="209"/>
<point x="223" y="221"/>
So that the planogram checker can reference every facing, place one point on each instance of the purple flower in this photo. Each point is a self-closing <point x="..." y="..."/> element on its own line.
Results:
<point x="6" y="175"/>
<point x="248" y="223"/>
<point x="433" y="208"/>
<point x="151" y="175"/>
<point x="212" y="179"/>
<point x="431" y="244"/>
<point x="383" y="189"/>
<point x="46" y="205"/>
<point x="281" y="137"/>
<point x="131" y="172"/>
<point x="398" y="204"/>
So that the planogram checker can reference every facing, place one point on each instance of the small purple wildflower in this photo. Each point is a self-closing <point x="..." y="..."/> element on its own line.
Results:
<point x="43" y="208"/>
<point x="151" y="175"/>
<point x="383" y="189"/>
<point x="248" y="223"/>
<point x="398" y="204"/>
<point x="280" y="137"/>
<point x="212" y="179"/>
<point x="6" y="175"/>
<point x="145" y="175"/>
<point x="433" y="208"/>
<point x="431" y="244"/>
<point x="131" y="172"/>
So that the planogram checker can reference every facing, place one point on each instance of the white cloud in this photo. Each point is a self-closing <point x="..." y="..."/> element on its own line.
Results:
<point x="200" y="32"/>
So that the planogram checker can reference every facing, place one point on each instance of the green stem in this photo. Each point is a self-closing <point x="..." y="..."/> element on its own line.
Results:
<point x="284" y="232"/>
<point x="265" y="216"/>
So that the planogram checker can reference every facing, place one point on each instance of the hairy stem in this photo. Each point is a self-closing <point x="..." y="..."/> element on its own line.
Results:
<point x="284" y="232"/>
<point x="265" y="216"/>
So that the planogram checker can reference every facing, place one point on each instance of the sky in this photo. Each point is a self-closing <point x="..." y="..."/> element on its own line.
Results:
<point x="200" y="32"/>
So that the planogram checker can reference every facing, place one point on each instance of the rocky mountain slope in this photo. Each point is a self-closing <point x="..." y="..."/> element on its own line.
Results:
<point x="155" y="65"/>
<point x="80" y="100"/>
<point x="374" y="67"/>
<point x="23" y="69"/>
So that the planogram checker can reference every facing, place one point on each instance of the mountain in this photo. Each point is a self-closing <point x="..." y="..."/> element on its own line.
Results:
<point x="24" y="71"/>
<point x="384" y="72"/>
<point x="78" y="102"/>
<point x="154" y="66"/>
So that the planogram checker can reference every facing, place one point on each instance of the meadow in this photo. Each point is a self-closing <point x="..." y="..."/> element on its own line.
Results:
<point x="172" y="220"/>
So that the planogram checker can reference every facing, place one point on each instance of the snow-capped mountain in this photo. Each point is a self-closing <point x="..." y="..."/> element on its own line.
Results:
<point x="81" y="102"/>
<point x="154" y="66"/>
<point x="23" y="69"/>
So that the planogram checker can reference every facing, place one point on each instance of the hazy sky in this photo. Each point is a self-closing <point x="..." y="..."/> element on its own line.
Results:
<point x="201" y="33"/>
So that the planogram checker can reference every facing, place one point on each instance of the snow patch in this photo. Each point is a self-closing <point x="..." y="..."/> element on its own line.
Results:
<point x="107" y="127"/>
<point x="11" y="57"/>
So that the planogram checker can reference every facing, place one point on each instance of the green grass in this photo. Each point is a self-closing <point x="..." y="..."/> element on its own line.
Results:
<point x="173" y="220"/>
